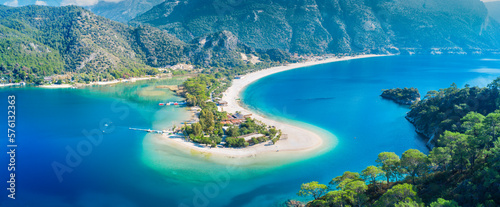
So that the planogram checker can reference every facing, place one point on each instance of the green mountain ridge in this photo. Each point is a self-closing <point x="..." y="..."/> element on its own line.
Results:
<point x="40" y="41"/>
<point x="85" y="43"/>
<point x="335" y="26"/>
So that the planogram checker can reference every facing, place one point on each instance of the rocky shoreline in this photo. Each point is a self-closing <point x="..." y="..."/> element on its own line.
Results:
<point x="418" y="129"/>
<point x="409" y="96"/>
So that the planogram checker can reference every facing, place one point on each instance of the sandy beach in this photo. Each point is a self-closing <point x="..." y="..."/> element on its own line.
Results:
<point x="11" y="84"/>
<point x="100" y="83"/>
<point x="120" y="81"/>
<point x="297" y="139"/>
<point x="56" y="86"/>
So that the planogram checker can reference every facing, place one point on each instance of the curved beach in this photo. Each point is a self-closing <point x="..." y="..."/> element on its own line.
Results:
<point x="298" y="138"/>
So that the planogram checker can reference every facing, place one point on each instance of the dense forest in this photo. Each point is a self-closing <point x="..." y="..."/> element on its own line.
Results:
<point x="406" y="96"/>
<point x="444" y="109"/>
<point x="40" y="41"/>
<point x="462" y="170"/>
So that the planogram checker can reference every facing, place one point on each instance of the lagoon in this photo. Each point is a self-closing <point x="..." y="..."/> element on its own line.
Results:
<point x="126" y="169"/>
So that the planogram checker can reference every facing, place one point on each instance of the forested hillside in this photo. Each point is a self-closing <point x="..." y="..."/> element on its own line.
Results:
<point x="38" y="41"/>
<point x="335" y="26"/>
<point x="462" y="170"/>
<point x="444" y="109"/>
<point x="73" y="39"/>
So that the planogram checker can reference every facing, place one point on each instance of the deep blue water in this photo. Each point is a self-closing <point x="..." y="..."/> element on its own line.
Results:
<point x="341" y="97"/>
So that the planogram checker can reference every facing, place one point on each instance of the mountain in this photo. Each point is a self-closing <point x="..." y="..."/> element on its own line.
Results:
<point x="493" y="9"/>
<point x="221" y="49"/>
<point x="123" y="11"/>
<point x="67" y="39"/>
<point x="40" y="41"/>
<point x="334" y="26"/>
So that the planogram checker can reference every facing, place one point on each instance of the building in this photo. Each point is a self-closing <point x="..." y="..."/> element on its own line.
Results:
<point x="235" y="119"/>
<point x="222" y="103"/>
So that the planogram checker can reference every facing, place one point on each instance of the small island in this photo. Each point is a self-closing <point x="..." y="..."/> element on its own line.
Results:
<point x="405" y="96"/>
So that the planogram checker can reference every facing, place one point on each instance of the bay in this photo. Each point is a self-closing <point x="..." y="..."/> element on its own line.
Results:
<point x="122" y="170"/>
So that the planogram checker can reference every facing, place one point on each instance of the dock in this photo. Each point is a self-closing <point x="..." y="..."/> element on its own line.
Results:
<point x="173" y="103"/>
<point x="148" y="130"/>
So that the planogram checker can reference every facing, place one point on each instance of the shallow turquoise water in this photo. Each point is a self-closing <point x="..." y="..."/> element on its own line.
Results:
<point x="341" y="97"/>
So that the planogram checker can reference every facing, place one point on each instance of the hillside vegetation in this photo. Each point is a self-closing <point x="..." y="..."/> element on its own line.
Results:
<point x="67" y="39"/>
<point x="462" y="170"/>
<point x="443" y="110"/>
<point x="405" y="96"/>
<point x="335" y="26"/>
<point x="39" y="41"/>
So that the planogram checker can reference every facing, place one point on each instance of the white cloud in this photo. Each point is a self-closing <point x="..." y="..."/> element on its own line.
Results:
<point x="11" y="3"/>
<point x="85" y="2"/>
<point x="41" y="3"/>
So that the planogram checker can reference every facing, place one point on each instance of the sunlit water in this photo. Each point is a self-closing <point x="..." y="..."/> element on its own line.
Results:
<point x="128" y="169"/>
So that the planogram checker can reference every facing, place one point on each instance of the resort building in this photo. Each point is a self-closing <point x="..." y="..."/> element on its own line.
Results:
<point x="222" y="103"/>
<point x="235" y="119"/>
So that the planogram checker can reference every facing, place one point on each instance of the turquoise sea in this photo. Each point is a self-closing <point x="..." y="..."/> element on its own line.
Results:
<point x="126" y="168"/>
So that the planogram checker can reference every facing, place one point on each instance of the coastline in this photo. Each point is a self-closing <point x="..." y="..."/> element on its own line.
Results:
<point x="11" y="84"/>
<point x="99" y="83"/>
<point x="56" y="86"/>
<point x="301" y="137"/>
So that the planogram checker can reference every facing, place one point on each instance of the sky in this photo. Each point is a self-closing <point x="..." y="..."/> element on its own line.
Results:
<point x="71" y="2"/>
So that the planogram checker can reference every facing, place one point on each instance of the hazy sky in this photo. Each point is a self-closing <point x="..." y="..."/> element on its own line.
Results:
<point x="69" y="2"/>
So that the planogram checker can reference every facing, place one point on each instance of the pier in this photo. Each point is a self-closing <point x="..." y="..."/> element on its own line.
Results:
<point x="172" y="103"/>
<point x="149" y="130"/>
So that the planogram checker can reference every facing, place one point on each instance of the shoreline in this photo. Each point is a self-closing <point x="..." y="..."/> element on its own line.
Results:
<point x="98" y="83"/>
<point x="302" y="137"/>
<point x="56" y="86"/>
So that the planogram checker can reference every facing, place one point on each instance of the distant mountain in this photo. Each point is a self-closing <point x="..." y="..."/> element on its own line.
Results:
<point x="40" y="41"/>
<point x="118" y="10"/>
<point x="124" y="10"/>
<point x="334" y="26"/>
<point x="493" y="9"/>
<point x="30" y="2"/>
